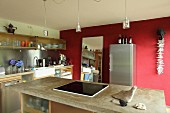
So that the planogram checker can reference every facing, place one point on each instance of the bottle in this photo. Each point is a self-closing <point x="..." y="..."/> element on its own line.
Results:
<point x="130" y="40"/>
<point x="123" y="40"/>
<point x="119" y="39"/>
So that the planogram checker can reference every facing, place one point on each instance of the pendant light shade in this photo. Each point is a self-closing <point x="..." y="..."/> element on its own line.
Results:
<point x="78" y="28"/>
<point x="126" y="23"/>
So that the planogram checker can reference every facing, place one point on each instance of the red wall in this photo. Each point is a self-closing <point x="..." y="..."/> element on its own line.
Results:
<point x="145" y="38"/>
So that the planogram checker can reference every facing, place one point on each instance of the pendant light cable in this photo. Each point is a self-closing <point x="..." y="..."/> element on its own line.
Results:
<point x="78" y="18"/>
<point x="45" y="12"/>
<point x="125" y="9"/>
<point x="78" y="28"/>
<point x="126" y="22"/>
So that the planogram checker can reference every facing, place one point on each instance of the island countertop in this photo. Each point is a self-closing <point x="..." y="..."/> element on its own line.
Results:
<point x="101" y="103"/>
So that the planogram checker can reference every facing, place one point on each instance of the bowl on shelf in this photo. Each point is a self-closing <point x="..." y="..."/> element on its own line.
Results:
<point x="48" y="45"/>
<point x="54" y="46"/>
<point x="45" y="46"/>
<point x="60" y="46"/>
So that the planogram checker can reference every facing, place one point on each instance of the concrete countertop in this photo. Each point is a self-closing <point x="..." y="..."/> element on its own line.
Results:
<point x="2" y="77"/>
<point x="101" y="103"/>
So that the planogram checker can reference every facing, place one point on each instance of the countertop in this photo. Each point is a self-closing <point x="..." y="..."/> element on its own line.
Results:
<point x="2" y="77"/>
<point x="101" y="103"/>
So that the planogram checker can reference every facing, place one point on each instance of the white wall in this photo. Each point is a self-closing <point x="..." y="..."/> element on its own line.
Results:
<point x="28" y="29"/>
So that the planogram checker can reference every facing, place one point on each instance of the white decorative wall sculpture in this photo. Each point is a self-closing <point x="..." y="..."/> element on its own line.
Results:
<point x="160" y="62"/>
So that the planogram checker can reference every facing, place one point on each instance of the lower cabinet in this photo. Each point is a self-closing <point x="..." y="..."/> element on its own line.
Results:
<point x="64" y="72"/>
<point x="62" y="108"/>
<point x="31" y="104"/>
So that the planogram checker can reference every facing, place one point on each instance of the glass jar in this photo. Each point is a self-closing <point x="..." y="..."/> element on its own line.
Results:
<point x="14" y="69"/>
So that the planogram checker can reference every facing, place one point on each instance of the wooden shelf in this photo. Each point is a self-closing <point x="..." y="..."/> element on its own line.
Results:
<point x="31" y="110"/>
<point x="24" y="47"/>
<point x="88" y="57"/>
<point x="60" y="42"/>
<point x="13" y="47"/>
<point x="88" y="54"/>
<point x="6" y="47"/>
<point x="8" y="37"/>
<point x="55" y="48"/>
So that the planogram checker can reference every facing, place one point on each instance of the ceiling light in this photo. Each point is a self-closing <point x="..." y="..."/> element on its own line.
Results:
<point x="78" y="28"/>
<point x="126" y="22"/>
<point x="45" y="31"/>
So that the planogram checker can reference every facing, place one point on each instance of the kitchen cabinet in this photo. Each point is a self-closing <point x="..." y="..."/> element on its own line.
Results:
<point x="10" y="100"/>
<point x="25" y="76"/>
<point x="64" y="72"/>
<point x="17" y="41"/>
<point x="32" y="104"/>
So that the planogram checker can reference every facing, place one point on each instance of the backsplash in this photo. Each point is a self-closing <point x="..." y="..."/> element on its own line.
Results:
<point x="25" y="55"/>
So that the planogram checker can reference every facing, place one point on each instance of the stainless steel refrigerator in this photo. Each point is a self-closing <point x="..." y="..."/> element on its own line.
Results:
<point x="123" y="64"/>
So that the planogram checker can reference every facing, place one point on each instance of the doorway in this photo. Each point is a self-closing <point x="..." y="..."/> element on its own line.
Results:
<point x="91" y="60"/>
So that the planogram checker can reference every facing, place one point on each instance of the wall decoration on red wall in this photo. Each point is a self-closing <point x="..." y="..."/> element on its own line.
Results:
<point x="160" y="62"/>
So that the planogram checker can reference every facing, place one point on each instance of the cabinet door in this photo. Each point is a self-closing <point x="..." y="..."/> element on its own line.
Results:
<point x="61" y="108"/>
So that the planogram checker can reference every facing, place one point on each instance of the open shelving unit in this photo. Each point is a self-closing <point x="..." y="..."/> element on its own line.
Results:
<point x="7" y="41"/>
<point x="88" y="56"/>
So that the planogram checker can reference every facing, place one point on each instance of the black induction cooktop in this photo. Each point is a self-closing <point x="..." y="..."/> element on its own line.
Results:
<point x="82" y="88"/>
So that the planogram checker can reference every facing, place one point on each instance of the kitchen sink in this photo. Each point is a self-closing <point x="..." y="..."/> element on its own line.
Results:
<point x="43" y="71"/>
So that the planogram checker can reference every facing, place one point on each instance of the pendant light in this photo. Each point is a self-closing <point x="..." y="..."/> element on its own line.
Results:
<point x="45" y="32"/>
<point x="78" y="28"/>
<point x="126" y="22"/>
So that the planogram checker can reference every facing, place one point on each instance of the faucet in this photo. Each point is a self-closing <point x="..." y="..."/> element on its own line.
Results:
<point x="36" y="61"/>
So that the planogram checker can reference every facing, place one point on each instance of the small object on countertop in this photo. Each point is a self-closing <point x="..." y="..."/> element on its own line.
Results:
<point x="122" y="103"/>
<point x="140" y="106"/>
<point x="126" y="96"/>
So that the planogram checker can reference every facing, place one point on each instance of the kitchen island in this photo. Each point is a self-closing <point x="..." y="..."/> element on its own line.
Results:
<point x="62" y="102"/>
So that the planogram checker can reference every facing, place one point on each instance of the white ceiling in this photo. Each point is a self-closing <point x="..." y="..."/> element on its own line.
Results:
<point x="64" y="16"/>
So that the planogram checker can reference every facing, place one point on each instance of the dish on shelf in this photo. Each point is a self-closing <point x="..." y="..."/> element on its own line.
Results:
<point x="54" y="46"/>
